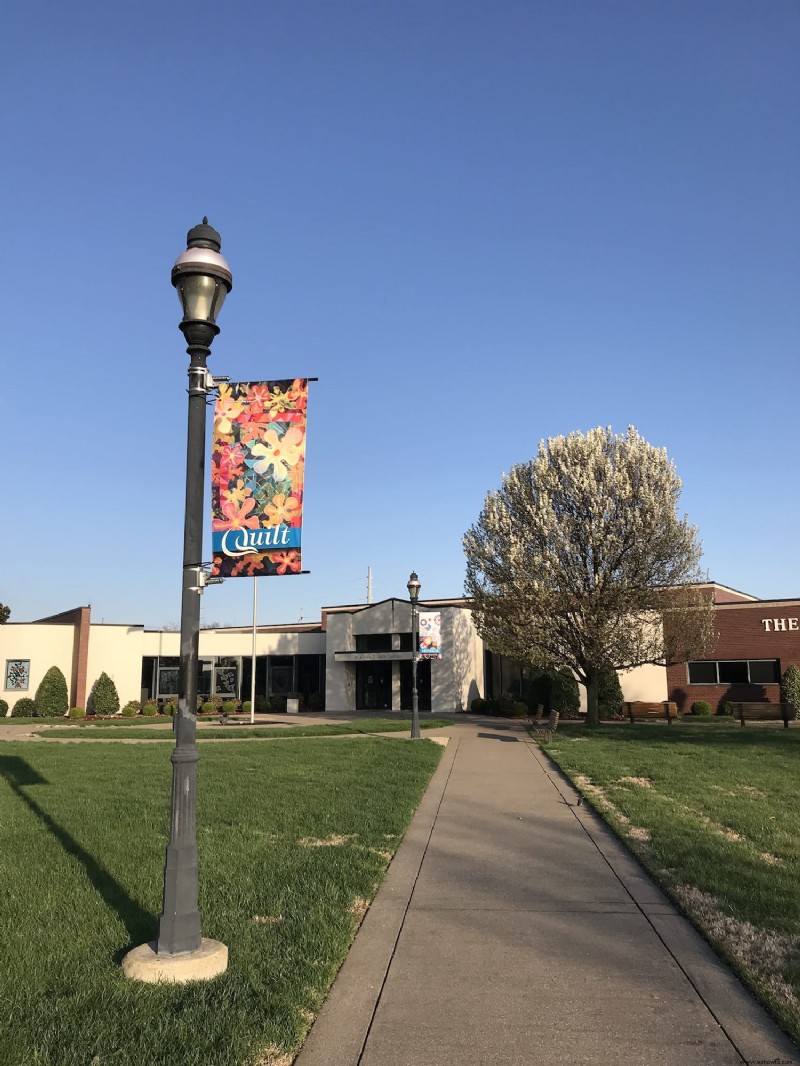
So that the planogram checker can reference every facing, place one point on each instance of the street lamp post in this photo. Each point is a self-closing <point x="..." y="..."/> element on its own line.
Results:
<point x="203" y="280"/>
<point x="413" y="587"/>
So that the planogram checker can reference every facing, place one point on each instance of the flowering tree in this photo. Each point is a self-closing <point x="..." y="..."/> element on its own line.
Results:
<point x="580" y="559"/>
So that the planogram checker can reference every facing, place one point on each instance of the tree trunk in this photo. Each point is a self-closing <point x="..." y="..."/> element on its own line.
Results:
<point x="592" y="711"/>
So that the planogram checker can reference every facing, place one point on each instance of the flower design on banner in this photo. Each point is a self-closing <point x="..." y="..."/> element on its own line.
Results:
<point x="258" y="467"/>
<point x="227" y="410"/>
<point x="257" y="399"/>
<point x="278" y="452"/>
<point x="233" y="519"/>
<point x="282" y="511"/>
<point x="286" y="561"/>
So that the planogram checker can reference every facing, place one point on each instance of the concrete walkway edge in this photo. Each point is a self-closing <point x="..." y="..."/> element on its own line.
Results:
<point x="340" y="1031"/>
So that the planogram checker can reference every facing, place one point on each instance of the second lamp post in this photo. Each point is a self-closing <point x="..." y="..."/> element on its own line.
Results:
<point x="413" y="587"/>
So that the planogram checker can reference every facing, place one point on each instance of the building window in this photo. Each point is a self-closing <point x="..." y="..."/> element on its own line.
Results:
<point x="281" y="674"/>
<point x="735" y="672"/>
<point x="764" y="672"/>
<point x="18" y="674"/>
<point x="167" y="676"/>
<point x="226" y="675"/>
<point x="373" y="642"/>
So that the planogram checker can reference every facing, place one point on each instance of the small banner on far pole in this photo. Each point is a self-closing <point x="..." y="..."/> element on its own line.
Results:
<point x="257" y="469"/>
<point x="430" y="635"/>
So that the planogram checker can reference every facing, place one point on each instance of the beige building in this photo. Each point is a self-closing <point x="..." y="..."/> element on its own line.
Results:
<point x="357" y="657"/>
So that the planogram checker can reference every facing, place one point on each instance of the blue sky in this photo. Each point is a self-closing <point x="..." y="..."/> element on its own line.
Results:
<point x="478" y="224"/>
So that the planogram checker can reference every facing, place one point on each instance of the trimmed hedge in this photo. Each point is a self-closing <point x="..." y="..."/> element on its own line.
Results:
<point x="105" y="698"/>
<point x="77" y="712"/>
<point x="52" y="698"/>
<point x="149" y="710"/>
<point x="790" y="687"/>
<point x="24" y="708"/>
<point x="316" y="701"/>
<point x="701" y="709"/>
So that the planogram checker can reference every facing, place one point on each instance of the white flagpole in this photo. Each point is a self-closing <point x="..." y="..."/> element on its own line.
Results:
<point x="253" y="671"/>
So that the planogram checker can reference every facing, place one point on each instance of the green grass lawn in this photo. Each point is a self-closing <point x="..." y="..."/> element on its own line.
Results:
<point x="238" y="732"/>
<point x="294" y="839"/>
<point x="712" y="812"/>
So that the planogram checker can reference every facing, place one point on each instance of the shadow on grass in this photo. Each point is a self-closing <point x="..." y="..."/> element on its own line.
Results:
<point x="139" y="924"/>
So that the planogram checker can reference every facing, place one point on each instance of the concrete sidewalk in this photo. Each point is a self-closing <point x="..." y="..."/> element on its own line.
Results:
<point x="514" y="929"/>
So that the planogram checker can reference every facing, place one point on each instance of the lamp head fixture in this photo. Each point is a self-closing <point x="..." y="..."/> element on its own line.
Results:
<point x="413" y="587"/>
<point x="202" y="279"/>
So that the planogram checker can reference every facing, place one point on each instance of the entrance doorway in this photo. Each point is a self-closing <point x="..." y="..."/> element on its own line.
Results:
<point x="423" y="684"/>
<point x="373" y="686"/>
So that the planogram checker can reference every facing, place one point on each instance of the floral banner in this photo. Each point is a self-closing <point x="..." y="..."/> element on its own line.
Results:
<point x="257" y="467"/>
<point x="430" y="635"/>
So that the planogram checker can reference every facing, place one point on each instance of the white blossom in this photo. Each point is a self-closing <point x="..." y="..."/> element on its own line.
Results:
<point x="575" y="559"/>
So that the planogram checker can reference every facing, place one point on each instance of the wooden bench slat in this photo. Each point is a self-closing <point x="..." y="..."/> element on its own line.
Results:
<point x="763" y="712"/>
<point x="642" y="709"/>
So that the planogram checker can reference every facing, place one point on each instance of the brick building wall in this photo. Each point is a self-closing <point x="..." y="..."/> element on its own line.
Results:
<point x="763" y="629"/>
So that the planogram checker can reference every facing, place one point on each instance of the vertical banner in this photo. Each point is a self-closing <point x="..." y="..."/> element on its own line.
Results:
<point x="257" y="468"/>
<point x="430" y="634"/>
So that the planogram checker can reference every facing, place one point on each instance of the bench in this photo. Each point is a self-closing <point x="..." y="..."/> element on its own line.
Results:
<point x="642" y="709"/>
<point x="547" y="729"/>
<point x="764" y="712"/>
<point x="535" y="719"/>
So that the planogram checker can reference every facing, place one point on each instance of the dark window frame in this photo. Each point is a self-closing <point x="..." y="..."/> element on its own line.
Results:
<point x="746" y="662"/>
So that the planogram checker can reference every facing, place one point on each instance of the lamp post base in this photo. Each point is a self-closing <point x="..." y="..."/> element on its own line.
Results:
<point x="145" y="964"/>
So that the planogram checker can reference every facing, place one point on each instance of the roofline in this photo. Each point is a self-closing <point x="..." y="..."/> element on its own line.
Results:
<point x="758" y="603"/>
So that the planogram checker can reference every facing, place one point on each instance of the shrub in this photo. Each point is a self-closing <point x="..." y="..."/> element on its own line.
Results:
<point x="504" y="705"/>
<point x="609" y="692"/>
<point x="149" y="710"/>
<point x="518" y="710"/>
<point x="24" y="708"/>
<point x="3" y="708"/>
<point x="208" y="707"/>
<point x="556" y="689"/>
<point x="277" y="704"/>
<point x="104" y="699"/>
<point x="246" y="707"/>
<point x="52" y="698"/>
<point x="725" y="709"/>
<point x="77" y="712"/>
<point x="229" y="707"/>
<point x="701" y="709"/>
<point x="170" y="707"/>
<point x="478" y="706"/>
<point x="262" y="705"/>
<point x="316" y="701"/>
<point x="129" y="711"/>
<point x="606" y="711"/>
<point x="790" y="687"/>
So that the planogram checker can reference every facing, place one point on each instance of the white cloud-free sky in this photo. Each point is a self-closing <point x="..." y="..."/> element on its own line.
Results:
<point x="478" y="224"/>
